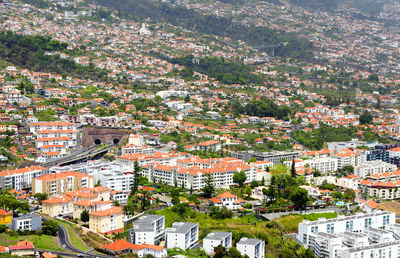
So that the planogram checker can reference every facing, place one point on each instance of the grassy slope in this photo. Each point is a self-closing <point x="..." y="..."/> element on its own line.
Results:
<point x="42" y="242"/>
<point x="291" y="222"/>
<point x="74" y="237"/>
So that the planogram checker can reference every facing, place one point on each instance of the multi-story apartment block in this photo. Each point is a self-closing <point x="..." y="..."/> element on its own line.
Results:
<point x="275" y="157"/>
<point x="348" y="159"/>
<point x="373" y="167"/>
<point x="215" y="239"/>
<point x="142" y="149"/>
<point x="20" y="178"/>
<point x="222" y="172"/>
<point x="148" y="229"/>
<point x="106" y="221"/>
<point x="387" y="249"/>
<point x="63" y="140"/>
<point x="29" y="222"/>
<point x="57" y="205"/>
<point x="90" y="206"/>
<point x="184" y="235"/>
<point x="60" y="183"/>
<point x="252" y="247"/>
<point x="360" y="235"/>
<point x="209" y="146"/>
<point x="355" y="223"/>
<point x="143" y="159"/>
<point x="51" y="126"/>
<point x="136" y="139"/>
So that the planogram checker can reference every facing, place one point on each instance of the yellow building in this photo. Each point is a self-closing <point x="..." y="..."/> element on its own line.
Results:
<point x="106" y="221"/>
<point x="90" y="206"/>
<point x="60" y="183"/>
<point x="5" y="217"/>
<point x="58" y="205"/>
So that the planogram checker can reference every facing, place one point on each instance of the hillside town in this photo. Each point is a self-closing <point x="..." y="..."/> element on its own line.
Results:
<point x="124" y="136"/>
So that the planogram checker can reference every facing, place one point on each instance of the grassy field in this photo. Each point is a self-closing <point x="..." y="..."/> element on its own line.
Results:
<point x="245" y="226"/>
<point x="290" y="223"/>
<point x="42" y="242"/>
<point x="74" y="237"/>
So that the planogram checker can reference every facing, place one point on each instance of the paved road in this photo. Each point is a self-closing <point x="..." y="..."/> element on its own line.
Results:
<point x="63" y="238"/>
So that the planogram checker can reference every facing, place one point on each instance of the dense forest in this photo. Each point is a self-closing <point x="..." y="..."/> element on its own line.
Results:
<point x="228" y="72"/>
<point x="29" y="52"/>
<point x="262" y="108"/>
<point x="210" y="24"/>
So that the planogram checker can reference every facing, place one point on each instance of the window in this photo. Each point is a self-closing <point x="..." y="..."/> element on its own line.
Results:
<point x="368" y="222"/>
<point x="386" y="219"/>
<point x="330" y="228"/>
<point x="349" y="225"/>
<point x="314" y="229"/>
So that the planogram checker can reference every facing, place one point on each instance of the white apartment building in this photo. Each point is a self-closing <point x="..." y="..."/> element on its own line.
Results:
<point x="148" y="229"/>
<point x="20" y="178"/>
<point x="349" y="159"/>
<point x="215" y="239"/>
<point x="355" y="223"/>
<point x="136" y="139"/>
<point x="120" y="196"/>
<point x="252" y="247"/>
<point x="144" y="159"/>
<point x="64" y="141"/>
<point x="111" y="175"/>
<point x="373" y="167"/>
<point x="141" y="149"/>
<point x="325" y="165"/>
<point x="56" y="133"/>
<point x="53" y="126"/>
<point x="387" y="249"/>
<point x="358" y="236"/>
<point x="184" y="235"/>
<point x="222" y="173"/>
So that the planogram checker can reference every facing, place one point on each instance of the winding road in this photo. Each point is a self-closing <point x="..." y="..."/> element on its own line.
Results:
<point x="65" y="243"/>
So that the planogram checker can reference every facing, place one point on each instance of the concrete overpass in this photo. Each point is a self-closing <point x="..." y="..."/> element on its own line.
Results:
<point x="80" y="156"/>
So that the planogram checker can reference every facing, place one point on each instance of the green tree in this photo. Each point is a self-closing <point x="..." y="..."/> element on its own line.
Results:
<point x="220" y="252"/>
<point x="3" y="228"/>
<point x="239" y="178"/>
<point x="50" y="227"/>
<point x="136" y="173"/>
<point x="349" y="194"/>
<point x="209" y="188"/>
<point x="85" y="215"/>
<point x="234" y="253"/>
<point x="175" y="196"/>
<point x="300" y="198"/>
<point x="365" y="118"/>
<point x="180" y="208"/>
<point x="293" y="169"/>
<point x="40" y="197"/>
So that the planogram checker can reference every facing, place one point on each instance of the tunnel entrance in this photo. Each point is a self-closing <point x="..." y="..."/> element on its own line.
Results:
<point x="116" y="141"/>
<point x="97" y="141"/>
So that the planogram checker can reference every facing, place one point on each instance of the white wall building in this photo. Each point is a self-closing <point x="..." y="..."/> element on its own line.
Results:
<point x="184" y="235"/>
<point x="373" y="167"/>
<point x="148" y="229"/>
<point x="215" y="239"/>
<point x="253" y="247"/>
<point x="360" y="235"/>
